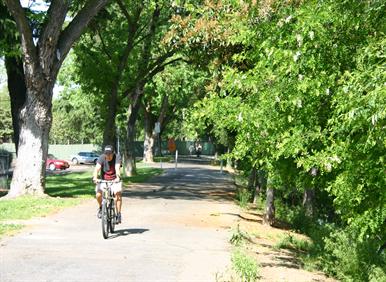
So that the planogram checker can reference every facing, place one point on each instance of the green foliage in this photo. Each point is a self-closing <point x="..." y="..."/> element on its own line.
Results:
<point x="182" y="85"/>
<point x="245" y="266"/>
<point x="239" y="237"/>
<point x="303" y="98"/>
<point x="292" y="243"/>
<point x="76" y="119"/>
<point x="353" y="260"/>
<point x="243" y="196"/>
<point x="357" y="126"/>
<point x="296" y="216"/>
<point x="76" y="116"/>
<point x="6" y="129"/>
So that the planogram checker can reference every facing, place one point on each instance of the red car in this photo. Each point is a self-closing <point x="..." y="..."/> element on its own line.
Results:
<point x="53" y="163"/>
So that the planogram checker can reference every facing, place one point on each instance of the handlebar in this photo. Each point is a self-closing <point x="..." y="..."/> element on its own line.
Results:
<point x="108" y="181"/>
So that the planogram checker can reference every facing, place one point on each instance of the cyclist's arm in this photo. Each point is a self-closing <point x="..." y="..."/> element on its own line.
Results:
<point x="118" y="170"/>
<point x="96" y="172"/>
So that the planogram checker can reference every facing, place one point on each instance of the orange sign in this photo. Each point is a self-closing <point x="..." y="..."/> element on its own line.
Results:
<point x="171" y="145"/>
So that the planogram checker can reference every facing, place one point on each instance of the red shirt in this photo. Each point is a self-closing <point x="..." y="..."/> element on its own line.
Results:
<point x="108" y="167"/>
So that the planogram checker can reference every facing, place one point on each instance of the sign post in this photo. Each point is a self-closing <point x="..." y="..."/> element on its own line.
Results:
<point x="176" y="159"/>
<point x="157" y="130"/>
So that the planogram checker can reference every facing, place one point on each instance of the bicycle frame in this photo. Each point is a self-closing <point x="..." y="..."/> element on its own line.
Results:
<point x="108" y="208"/>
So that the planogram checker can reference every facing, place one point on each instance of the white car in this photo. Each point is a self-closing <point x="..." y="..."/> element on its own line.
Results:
<point x="85" y="158"/>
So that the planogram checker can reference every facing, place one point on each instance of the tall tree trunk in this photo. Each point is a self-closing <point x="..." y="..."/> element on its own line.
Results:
<point x="163" y="120"/>
<point x="36" y="118"/>
<point x="109" y="132"/>
<point x="269" y="217"/>
<point x="17" y="92"/>
<point x="148" y="144"/>
<point x="130" y="165"/>
<point x="229" y="160"/>
<point x="150" y="135"/>
<point x="261" y="183"/>
<point x="251" y="183"/>
<point x="308" y="201"/>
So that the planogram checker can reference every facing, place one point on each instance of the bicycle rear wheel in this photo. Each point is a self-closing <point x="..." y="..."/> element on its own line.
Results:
<point x="112" y="216"/>
<point x="105" y="220"/>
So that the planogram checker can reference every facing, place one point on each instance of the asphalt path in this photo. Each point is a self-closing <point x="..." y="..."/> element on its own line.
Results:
<point x="176" y="227"/>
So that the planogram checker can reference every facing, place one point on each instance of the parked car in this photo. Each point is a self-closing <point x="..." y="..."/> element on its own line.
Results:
<point x="84" y="158"/>
<point x="52" y="163"/>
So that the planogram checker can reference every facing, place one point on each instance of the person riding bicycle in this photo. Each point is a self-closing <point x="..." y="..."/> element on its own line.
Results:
<point x="108" y="168"/>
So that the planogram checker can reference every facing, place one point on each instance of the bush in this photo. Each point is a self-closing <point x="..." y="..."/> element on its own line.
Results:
<point x="349" y="259"/>
<point x="295" y="216"/>
<point x="244" y="196"/>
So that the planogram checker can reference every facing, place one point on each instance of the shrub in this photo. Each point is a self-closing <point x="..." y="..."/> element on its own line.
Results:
<point x="243" y="197"/>
<point x="350" y="259"/>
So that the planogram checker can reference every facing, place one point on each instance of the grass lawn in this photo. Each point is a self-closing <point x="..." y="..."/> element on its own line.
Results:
<point x="63" y="190"/>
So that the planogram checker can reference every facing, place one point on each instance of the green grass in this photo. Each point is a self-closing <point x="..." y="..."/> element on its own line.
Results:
<point x="292" y="243"/>
<point x="26" y="207"/>
<point x="245" y="266"/>
<point x="143" y="174"/>
<point x="165" y="159"/>
<point x="306" y="251"/>
<point x="9" y="229"/>
<point x="72" y="185"/>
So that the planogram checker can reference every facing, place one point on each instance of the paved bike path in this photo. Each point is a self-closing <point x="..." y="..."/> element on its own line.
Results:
<point x="175" y="228"/>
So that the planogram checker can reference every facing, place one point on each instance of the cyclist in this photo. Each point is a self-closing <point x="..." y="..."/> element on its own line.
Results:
<point x="108" y="167"/>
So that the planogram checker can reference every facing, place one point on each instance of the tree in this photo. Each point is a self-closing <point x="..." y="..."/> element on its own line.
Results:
<point x="41" y="64"/>
<point x="76" y="118"/>
<point x="166" y="99"/>
<point x="133" y="31"/>
<point x="303" y="94"/>
<point x="10" y="49"/>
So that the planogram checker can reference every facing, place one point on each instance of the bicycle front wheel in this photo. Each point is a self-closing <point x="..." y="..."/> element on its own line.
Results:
<point x="112" y="216"/>
<point x="105" y="221"/>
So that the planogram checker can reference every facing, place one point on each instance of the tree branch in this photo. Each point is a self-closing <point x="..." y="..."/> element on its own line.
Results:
<point x="161" y="68"/>
<point x="124" y="11"/>
<point x="29" y="49"/>
<point x="56" y="15"/>
<point x="74" y="30"/>
<point x="104" y="48"/>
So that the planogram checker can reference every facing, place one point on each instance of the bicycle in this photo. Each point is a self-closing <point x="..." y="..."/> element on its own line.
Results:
<point x="108" y="208"/>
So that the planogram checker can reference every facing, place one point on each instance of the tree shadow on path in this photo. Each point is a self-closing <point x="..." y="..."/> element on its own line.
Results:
<point x="186" y="184"/>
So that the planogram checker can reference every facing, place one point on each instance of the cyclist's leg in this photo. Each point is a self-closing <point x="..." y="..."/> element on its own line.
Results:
<point x="98" y="194"/>
<point x="117" y="189"/>
<point x="118" y="201"/>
